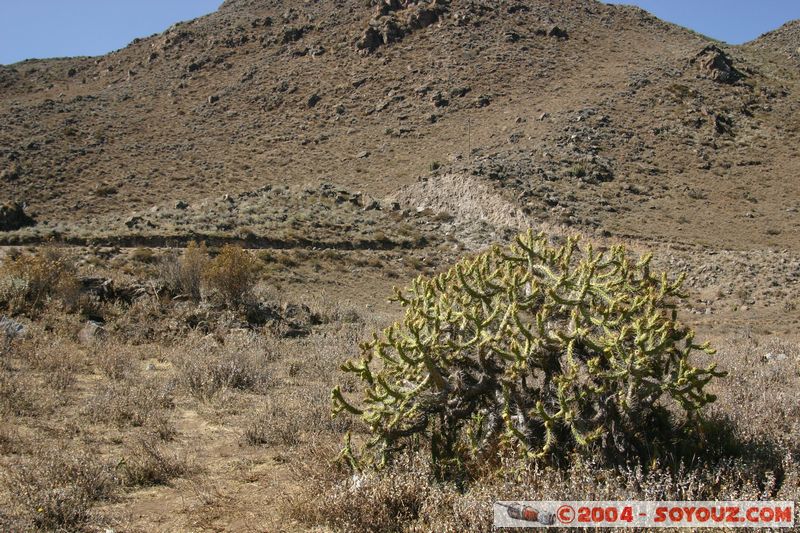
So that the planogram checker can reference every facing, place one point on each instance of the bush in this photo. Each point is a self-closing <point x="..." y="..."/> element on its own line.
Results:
<point x="56" y="490"/>
<point x="233" y="274"/>
<point x="184" y="275"/>
<point x="137" y="401"/>
<point x="536" y="351"/>
<point x="207" y="369"/>
<point x="28" y="282"/>
<point x="147" y="463"/>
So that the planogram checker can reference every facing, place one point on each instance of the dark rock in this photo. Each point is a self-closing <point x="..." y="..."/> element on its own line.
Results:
<point x="483" y="100"/>
<point x="552" y="31"/>
<point x="459" y="92"/>
<point x="423" y="16"/>
<point x="370" y="40"/>
<point x="717" y="65"/>
<point x="313" y="100"/>
<point x="13" y="217"/>
<point x="134" y="221"/>
<point x="438" y="99"/>
<point x="91" y="332"/>
<point x="391" y="31"/>
<point x="291" y="35"/>
<point x="10" y="174"/>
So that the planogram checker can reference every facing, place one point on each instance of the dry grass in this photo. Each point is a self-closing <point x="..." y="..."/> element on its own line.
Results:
<point x="136" y="402"/>
<point x="180" y="379"/>
<point x="275" y="425"/>
<point x="207" y="368"/>
<point x="55" y="489"/>
<point x="147" y="462"/>
<point x="29" y="281"/>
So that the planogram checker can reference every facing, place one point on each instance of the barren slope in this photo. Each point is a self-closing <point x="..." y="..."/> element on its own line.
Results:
<point x="610" y="121"/>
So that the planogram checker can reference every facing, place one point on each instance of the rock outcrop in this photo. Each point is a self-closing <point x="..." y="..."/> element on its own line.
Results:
<point x="394" y="19"/>
<point x="13" y="217"/>
<point x="717" y="65"/>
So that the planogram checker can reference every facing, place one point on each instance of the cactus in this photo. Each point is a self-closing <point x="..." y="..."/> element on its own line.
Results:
<point x="535" y="349"/>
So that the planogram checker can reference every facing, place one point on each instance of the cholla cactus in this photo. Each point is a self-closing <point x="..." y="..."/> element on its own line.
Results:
<point x="537" y="349"/>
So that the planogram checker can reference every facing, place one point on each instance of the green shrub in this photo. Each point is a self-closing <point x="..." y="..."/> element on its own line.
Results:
<point x="233" y="274"/>
<point x="535" y="351"/>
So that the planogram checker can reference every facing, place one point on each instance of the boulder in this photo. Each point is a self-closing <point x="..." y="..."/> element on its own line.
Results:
<point x="558" y="33"/>
<point x="313" y="100"/>
<point x="394" y="19"/>
<point x="370" y="40"/>
<point x="13" y="217"/>
<point x="91" y="332"/>
<point x="134" y="221"/>
<point x="716" y="65"/>
<point x="291" y="35"/>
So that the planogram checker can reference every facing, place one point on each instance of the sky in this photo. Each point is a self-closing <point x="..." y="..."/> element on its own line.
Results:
<point x="731" y="21"/>
<point x="59" y="28"/>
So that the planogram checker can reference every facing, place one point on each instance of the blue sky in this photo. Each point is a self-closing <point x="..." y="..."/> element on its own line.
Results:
<point x="57" y="28"/>
<point x="732" y="21"/>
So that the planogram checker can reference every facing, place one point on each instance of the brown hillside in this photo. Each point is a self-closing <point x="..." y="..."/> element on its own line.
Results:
<point x="585" y="114"/>
<point x="199" y="230"/>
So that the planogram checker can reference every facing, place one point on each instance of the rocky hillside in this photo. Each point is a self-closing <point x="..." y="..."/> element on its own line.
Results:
<point x="576" y="113"/>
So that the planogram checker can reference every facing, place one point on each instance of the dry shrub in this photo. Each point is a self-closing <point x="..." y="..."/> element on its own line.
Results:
<point x="55" y="489"/>
<point x="329" y="348"/>
<point x="233" y="275"/>
<point x="10" y="439"/>
<point x="184" y="274"/>
<point x="286" y="421"/>
<point x="28" y="281"/>
<point x="21" y="395"/>
<point x="208" y="368"/>
<point x="114" y="361"/>
<point x="378" y="502"/>
<point x="407" y="498"/>
<point x="136" y="401"/>
<point x="274" y="425"/>
<point x="57" y="359"/>
<point x="148" y="463"/>
<point x="45" y="351"/>
<point x="60" y="375"/>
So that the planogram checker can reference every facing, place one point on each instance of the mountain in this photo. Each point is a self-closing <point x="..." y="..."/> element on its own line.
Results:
<point x="595" y="116"/>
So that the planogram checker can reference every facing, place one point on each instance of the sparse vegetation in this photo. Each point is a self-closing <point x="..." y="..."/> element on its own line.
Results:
<point x="189" y="253"/>
<point x="148" y="463"/>
<point x="56" y="489"/>
<point x="207" y="369"/>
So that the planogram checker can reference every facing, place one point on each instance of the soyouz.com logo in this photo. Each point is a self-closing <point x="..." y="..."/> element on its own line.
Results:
<point x="513" y="514"/>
